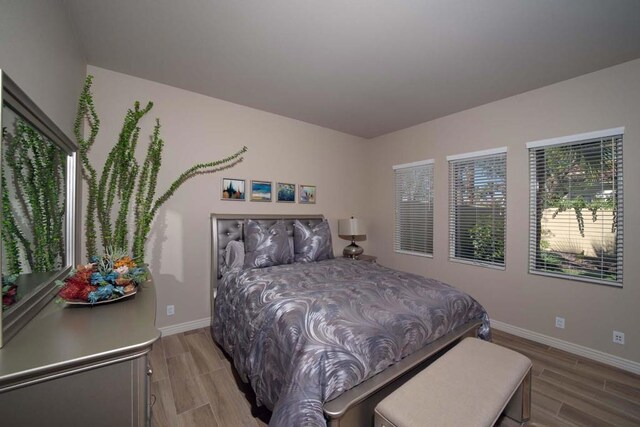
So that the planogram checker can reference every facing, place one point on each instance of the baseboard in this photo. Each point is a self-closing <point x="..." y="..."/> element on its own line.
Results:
<point x="186" y="326"/>
<point x="589" y="353"/>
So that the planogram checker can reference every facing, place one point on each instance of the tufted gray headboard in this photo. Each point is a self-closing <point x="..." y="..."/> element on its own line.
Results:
<point x="228" y="227"/>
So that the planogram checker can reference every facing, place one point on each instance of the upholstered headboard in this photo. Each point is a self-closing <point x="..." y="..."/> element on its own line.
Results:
<point x="228" y="227"/>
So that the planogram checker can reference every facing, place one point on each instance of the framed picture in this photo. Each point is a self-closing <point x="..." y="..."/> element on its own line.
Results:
<point x="233" y="189"/>
<point x="286" y="193"/>
<point x="307" y="194"/>
<point x="260" y="191"/>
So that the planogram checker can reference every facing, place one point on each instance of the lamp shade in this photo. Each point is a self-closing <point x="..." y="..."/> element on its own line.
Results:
<point x="351" y="227"/>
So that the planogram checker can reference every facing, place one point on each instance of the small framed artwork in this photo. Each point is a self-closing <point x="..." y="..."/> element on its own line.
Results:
<point x="307" y="194"/>
<point x="286" y="193"/>
<point x="260" y="191"/>
<point x="233" y="189"/>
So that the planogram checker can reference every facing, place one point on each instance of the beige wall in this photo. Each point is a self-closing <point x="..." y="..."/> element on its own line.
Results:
<point x="604" y="99"/>
<point x="40" y="52"/>
<point x="197" y="128"/>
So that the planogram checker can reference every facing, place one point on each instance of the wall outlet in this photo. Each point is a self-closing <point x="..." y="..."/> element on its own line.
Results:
<point x="560" y="322"/>
<point x="171" y="310"/>
<point x="618" y="337"/>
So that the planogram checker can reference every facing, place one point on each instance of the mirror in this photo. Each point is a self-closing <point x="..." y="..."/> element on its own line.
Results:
<point x="37" y="172"/>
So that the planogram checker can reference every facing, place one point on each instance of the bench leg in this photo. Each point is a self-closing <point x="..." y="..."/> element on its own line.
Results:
<point x="519" y="407"/>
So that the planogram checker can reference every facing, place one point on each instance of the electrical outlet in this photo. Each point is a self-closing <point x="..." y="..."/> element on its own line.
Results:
<point x="618" y="337"/>
<point x="560" y="322"/>
<point x="171" y="310"/>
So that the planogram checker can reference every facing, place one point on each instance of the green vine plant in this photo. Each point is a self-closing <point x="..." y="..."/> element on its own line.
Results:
<point x="12" y="236"/>
<point x="122" y="176"/>
<point x="567" y="170"/>
<point x="37" y="175"/>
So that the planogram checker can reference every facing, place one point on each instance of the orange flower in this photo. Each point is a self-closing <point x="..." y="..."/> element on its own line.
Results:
<point x="125" y="261"/>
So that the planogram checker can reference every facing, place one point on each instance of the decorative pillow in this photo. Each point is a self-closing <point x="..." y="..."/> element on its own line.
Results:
<point x="233" y="256"/>
<point x="266" y="246"/>
<point x="312" y="243"/>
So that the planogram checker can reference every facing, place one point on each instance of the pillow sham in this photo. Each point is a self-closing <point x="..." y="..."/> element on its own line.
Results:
<point x="233" y="257"/>
<point x="312" y="243"/>
<point x="266" y="246"/>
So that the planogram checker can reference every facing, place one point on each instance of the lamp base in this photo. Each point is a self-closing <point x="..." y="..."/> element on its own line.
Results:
<point x="352" y="251"/>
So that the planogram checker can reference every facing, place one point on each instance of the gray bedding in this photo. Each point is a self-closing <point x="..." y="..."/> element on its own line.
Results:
<point x="302" y="334"/>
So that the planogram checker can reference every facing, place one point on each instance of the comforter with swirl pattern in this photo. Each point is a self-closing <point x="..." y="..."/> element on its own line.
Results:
<point x="302" y="334"/>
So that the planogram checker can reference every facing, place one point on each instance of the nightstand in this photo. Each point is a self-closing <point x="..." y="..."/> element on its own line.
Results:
<point x="367" y="258"/>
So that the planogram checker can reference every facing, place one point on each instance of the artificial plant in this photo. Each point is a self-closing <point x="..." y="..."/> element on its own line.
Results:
<point x="121" y="176"/>
<point x="38" y="175"/>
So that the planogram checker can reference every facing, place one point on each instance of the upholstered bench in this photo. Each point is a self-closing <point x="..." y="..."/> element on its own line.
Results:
<point x="470" y="385"/>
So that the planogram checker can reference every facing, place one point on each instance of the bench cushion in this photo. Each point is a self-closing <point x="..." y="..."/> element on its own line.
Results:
<point x="470" y="385"/>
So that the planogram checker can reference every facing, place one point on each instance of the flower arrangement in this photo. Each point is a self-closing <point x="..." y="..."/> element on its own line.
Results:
<point x="110" y="276"/>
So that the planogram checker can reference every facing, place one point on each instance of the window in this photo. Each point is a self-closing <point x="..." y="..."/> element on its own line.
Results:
<point x="414" y="208"/>
<point x="576" y="207"/>
<point x="477" y="207"/>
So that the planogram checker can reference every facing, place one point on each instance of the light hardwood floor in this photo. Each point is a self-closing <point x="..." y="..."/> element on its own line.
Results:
<point x="194" y="384"/>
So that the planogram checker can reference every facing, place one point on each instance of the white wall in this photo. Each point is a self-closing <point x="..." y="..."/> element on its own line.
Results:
<point x="198" y="128"/>
<point x="40" y="52"/>
<point x="604" y="99"/>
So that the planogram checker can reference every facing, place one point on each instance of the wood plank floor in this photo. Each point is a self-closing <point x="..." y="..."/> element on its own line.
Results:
<point x="194" y="384"/>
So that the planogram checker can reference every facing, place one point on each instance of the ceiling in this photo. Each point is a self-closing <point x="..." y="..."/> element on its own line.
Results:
<point x="364" y="67"/>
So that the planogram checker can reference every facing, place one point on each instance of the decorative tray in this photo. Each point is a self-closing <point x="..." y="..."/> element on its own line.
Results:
<point x="79" y="303"/>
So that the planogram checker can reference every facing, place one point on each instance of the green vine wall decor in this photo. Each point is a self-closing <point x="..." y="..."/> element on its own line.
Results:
<point x="113" y="189"/>
<point x="37" y="171"/>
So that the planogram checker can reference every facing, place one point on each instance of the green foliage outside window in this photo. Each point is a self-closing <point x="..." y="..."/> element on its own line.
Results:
<point x="582" y="178"/>
<point x="589" y="170"/>
<point x="488" y="242"/>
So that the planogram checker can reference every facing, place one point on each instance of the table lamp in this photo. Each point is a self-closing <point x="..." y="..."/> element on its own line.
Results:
<point x="351" y="227"/>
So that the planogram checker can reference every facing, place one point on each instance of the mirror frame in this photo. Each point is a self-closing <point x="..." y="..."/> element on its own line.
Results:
<point x="32" y="303"/>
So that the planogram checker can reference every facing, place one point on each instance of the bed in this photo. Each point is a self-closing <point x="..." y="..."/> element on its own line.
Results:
<point x="321" y="343"/>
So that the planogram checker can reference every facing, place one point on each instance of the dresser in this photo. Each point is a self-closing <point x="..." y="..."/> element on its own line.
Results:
<point x="81" y="366"/>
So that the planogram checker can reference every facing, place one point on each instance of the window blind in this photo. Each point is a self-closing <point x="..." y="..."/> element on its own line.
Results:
<point x="477" y="207"/>
<point x="414" y="208"/>
<point x="576" y="208"/>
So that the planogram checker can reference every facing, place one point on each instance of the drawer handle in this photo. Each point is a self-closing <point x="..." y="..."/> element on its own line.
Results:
<point x="150" y="371"/>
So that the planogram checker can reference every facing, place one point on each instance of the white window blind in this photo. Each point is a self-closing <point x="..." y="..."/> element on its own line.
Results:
<point x="477" y="207"/>
<point x="576" y="207"/>
<point x="414" y="208"/>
